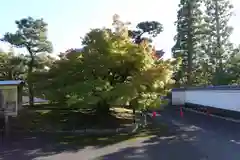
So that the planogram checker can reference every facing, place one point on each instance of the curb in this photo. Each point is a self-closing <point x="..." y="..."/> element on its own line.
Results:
<point x="150" y="114"/>
<point x="130" y="129"/>
<point x="212" y="115"/>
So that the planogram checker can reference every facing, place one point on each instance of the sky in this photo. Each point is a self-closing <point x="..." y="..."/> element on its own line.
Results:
<point x="69" y="20"/>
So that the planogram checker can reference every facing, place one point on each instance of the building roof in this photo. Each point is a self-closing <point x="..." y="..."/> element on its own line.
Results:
<point x="160" y="53"/>
<point x="221" y="87"/>
<point x="75" y="50"/>
<point x="11" y="82"/>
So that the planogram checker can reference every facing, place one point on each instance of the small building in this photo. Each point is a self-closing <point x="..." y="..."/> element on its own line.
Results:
<point x="72" y="53"/>
<point x="11" y="96"/>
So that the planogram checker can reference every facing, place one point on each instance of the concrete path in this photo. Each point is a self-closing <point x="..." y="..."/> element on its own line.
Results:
<point x="195" y="137"/>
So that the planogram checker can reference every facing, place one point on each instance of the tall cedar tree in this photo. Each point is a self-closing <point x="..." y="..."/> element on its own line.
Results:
<point x="218" y="14"/>
<point x="187" y="40"/>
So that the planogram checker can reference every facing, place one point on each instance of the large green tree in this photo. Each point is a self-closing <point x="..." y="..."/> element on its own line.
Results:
<point x="31" y="34"/>
<point x="109" y="70"/>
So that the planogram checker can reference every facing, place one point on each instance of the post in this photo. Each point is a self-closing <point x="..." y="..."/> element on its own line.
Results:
<point x="134" y="115"/>
<point x="145" y="119"/>
<point x="145" y="116"/>
<point x="6" y="125"/>
<point x="2" y="118"/>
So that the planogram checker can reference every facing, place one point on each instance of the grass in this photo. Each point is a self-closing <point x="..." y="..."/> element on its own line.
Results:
<point x="70" y="120"/>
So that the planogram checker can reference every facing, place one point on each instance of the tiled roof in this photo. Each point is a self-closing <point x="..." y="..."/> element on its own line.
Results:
<point x="222" y="87"/>
<point x="11" y="82"/>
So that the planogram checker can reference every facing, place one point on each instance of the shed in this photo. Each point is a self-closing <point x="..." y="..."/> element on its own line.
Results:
<point x="11" y="96"/>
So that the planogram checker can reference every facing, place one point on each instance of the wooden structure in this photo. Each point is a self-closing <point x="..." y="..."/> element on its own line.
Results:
<point x="11" y="96"/>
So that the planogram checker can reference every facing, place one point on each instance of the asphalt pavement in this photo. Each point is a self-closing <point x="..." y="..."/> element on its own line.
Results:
<point x="194" y="137"/>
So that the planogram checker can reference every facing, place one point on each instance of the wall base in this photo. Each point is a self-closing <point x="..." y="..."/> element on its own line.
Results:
<point x="213" y="110"/>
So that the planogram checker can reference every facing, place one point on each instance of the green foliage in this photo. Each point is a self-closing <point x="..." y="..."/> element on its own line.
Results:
<point x="202" y="42"/>
<point x="218" y="14"/>
<point x="152" y="28"/>
<point x="188" y="39"/>
<point x="109" y="70"/>
<point x="12" y="66"/>
<point x="232" y="69"/>
<point x="31" y="34"/>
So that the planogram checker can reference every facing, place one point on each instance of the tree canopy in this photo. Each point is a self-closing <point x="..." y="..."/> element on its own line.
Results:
<point x="152" y="28"/>
<point x="119" y="65"/>
<point x="202" y="42"/>
<point x="109" y="70"/>
<point x="31" y="34"/>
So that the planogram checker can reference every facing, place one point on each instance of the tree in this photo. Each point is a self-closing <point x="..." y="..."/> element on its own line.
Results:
<point x="218" y="14"/>
<point x="110" y="70"/>
<point x="152" y="28"/>
<point x="188" y="40"/>
<point x="31" y="35"/>
<point x="12" y="67"/>
<point x="231" y="74"/>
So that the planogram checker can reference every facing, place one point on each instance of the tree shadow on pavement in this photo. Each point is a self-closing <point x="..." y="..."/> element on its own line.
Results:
<point x="172" y="147"/>
<point x="189" y="142"/>
<point x="33" y="145"/>
<point x="207" y="123"/>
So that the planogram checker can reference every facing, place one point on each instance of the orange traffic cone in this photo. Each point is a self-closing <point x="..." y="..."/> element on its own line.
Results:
<point x="181" y="112"/>
<point x="154" y="114"/>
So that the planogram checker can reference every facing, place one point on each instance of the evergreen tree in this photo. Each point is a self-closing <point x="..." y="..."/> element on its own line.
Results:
<point x="31" y="34"/>
<point x="189" y="31"/>
<point x="218" y="13"/>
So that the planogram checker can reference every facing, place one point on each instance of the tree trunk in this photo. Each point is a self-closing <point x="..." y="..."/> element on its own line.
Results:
<point x="219" y="66"/>
<point x="133" y="104"/>
<point x="29" y="80"/>
<point x="134" y="115"/>
<point x="103" y="108"/>
<point x="145" y="119"/>
<point x="190" y="45"/>
<point x="10" y="75"/>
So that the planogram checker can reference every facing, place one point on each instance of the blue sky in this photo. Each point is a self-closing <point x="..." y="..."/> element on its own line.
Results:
<point x="69" y="20"/>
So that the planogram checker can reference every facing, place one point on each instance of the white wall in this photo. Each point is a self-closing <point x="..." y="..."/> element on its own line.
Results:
<point x="223" y="99"/>
<point x="178" y="97"/>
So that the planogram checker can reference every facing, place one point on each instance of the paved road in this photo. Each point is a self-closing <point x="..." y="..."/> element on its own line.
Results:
<point x="195" y="137"/>
<point x="214" y="138"/>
